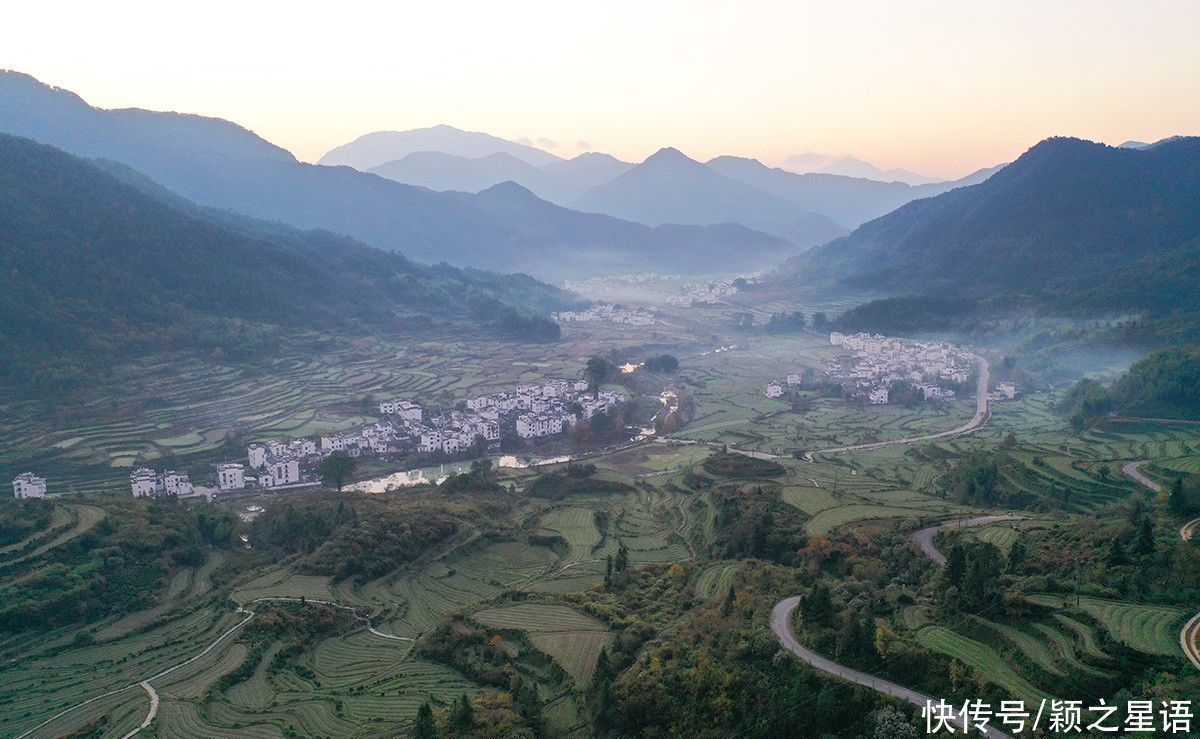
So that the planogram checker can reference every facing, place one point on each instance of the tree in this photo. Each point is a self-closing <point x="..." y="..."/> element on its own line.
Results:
<point x="423" y="727"/>
<point x="596" y="372"/>
<point x="1017" y="554"/>
<point x="462" y="716"/>
<point x="622" y="561"/>
<point x="608" y="572"/>
<point x="1143" y="541"/>
<point x="1116" y="554"/>
<point x="820" y="322"/>
<point x="1181" y="500"/>
<point x="336" y="469"/>
<point x="662" y="364"/>
<point x="727" y="606"/>
<point x="891" y="724"/>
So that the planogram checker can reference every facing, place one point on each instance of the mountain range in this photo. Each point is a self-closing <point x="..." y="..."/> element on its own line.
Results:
<point x="98" y="262"/>
<point x="218" y="164"/>
<point x="1076" y="224"/>
<point x="668" y="187"/>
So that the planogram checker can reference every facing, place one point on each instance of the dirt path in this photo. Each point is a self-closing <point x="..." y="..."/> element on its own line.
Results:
<point x="924" y="537"/>
<point x="781" y="624"/>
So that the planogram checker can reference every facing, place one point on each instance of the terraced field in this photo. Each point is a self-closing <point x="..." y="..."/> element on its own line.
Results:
<point x="980" y="657"/>
<point x="1152" y="629"/>
<point x="187" y="408"/>
<point x="571" y="638"/>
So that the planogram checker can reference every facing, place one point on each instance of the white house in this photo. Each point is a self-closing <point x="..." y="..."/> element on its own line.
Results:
<point x="177" y="483"/>
<point x="231" y="476"/>
<point x="29" y="485"/>
<point x="406" y="409"/>
<point x="878" y="396"/>
<point x="281" y="472"/>
<point x="144" y="482"/>
<point x="256" y="455"/>
<point x="774" y="390"/>
<point x="1007" y="389"/>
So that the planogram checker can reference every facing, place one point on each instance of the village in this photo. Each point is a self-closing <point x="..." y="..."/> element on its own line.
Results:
<point x="871" y="367"/>
<point x="607" y="313"/>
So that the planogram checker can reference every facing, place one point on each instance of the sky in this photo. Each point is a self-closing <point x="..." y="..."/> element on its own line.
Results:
<point x="935" y="86"/>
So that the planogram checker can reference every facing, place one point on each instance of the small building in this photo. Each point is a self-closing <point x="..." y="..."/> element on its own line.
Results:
<point x="256" y="455"/>
<point x="177" y="483"/>
<point x="283" y="472"/>
<point x="231" y="476"/>
<point x="144" y="483"/>
<point x="878" y="396"/>
<point x="29" y="485"/>
<point x="774" y="390"/>
<point x="1007" y="390"/>
<point x="406" y="409"/>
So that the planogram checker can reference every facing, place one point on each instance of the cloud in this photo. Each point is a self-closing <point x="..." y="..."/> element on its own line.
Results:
<point x="525" y="140"/>
<point x="584" y="145"/>
<point x="547" y="143"/>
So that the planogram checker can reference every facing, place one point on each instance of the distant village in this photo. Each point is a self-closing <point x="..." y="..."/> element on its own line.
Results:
<point x="871" y="366"/>
<point x="607" y="313"/>
<point x="710" y="292"/>
<point x="528" y="412"/>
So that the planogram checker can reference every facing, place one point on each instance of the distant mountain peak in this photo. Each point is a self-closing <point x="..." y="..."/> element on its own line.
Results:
<point x="669" y="154"/>
<point x="374" y="149"/>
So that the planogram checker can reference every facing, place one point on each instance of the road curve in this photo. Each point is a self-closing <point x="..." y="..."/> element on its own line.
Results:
<point x="150" y="691"/>
<point x="781" y="624"/>
<point x="1131" y="471"/>
<point x="1189" y="637"/>
<point x="924" y="537"/>
<point x="982" y="411"/>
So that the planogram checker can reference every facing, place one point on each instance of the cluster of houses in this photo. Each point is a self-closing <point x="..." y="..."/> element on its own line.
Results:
<point x="710" y="292"/>
<point x="147" y="483"/>
<point x="528" y="412"/>
<point x="872" y="364"/>
<point x="607" y="313"/>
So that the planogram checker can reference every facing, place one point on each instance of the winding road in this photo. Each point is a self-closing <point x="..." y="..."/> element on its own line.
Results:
<point x="924" y="537"/>
<point x="781" y="614"/>
<point x="781" y="624"/>
<point x="1189" y="637"/>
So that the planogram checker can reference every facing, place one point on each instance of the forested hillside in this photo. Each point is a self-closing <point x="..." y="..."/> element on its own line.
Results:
<point x="93" y="268"/>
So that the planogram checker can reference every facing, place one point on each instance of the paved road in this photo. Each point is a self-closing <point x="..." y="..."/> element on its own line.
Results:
<point x="1189" y="637"/>
<point x="982" y="411"/>
<point x="924" y="537"/>
<point x="1131" y="471"/>
<point x="781" y="624"/>
<point x="150" y="691"/>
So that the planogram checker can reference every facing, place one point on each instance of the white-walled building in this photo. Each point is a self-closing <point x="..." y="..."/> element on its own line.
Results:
<point x="406" y="409"/>
<point x="177" y="483"/>
<point x="144" y="482"/>
<point x="256" y="455"/>
<point x="231" y="477"/>
<point x="29" y="485"/>
<point x="878" y="396"/>
<point x="774" y="390"/>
